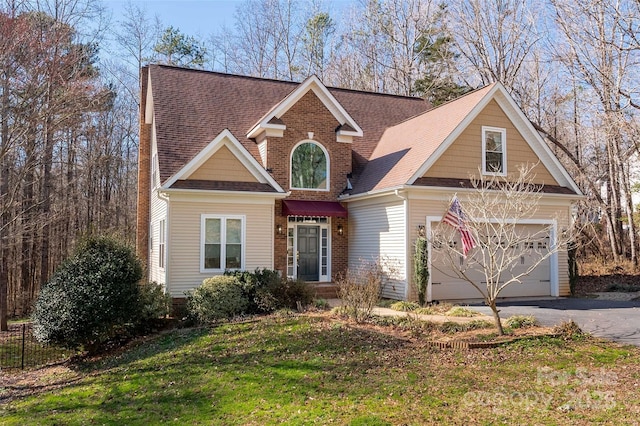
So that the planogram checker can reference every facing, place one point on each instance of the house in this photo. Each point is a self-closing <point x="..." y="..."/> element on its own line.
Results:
<point x="239" y="172"/>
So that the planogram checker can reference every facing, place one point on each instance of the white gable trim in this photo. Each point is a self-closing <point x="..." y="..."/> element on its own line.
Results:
<point x="321" y="91"/>
<point x="521" y="123"/>
<point x="225" y="138"/>
<point x="148" y="110"/>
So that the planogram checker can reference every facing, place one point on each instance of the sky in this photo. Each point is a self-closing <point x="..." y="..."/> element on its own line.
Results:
<point x="197" y="17"/>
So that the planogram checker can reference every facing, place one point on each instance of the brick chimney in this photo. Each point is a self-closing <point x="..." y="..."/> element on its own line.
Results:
<point x="144" y="175"/>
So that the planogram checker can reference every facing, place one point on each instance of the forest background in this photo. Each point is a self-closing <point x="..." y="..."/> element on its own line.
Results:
<point x="69" y="98"/>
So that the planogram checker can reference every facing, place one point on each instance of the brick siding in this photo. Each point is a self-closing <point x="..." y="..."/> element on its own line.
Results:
<point x="310" y="115"/>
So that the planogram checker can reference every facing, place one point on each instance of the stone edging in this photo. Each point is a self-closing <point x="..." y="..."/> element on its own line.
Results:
<point x="461" y="344"/>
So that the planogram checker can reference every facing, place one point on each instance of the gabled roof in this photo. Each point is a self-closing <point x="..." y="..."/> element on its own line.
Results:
<point x="271" y="120"/>
<point x="225" y="138"/>
<point x="192" y="107"/>
<point x="407" y="150"/>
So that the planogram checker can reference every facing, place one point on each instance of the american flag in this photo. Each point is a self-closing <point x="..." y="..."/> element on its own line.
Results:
<point x="455" y="217"/>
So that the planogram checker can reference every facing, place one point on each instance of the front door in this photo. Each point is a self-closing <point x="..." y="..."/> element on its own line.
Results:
<point x="308" y="258"/>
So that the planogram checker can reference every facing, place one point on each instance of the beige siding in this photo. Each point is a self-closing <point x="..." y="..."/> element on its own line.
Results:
<point x="464" y="156"/>
<point x="377" y="231"/>
<point x="184" y="255"/>
<point x="158" y="213"/>
<point x="223" y="166"/>
<point x="435" y="204"/>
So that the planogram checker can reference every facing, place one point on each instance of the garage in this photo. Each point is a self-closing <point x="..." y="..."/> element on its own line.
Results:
<point x="533" y="245"/>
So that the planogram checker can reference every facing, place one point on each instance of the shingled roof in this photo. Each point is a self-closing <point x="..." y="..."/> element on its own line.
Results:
<point x="192" y="107"/>
<point x="404" y="148"/>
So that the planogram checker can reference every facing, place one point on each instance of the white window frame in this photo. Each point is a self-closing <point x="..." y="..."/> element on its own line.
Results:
<point x="292" y="245"/>
<point x="326" y="155"/>
<point x="162" y="235"/>
<point x="223" y="243"/>
<point x="503" y="133"/>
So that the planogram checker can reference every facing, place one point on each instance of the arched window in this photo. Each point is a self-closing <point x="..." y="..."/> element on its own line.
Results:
<point x="309" y="166"/>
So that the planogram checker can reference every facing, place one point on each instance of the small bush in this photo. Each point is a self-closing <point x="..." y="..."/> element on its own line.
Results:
<point x="218" y="298"/>
<point x="266" y="291"/>
<point x="404" y="306"/>
<point x="451" y="327"/>
<point x="386" y="303"/>
<point x="91" y="297"/>
<point x="257" y="288"/>
<point x="569" y="330"/>
<point x="459" y="311"/>
<point x="153" y="303"/>
<point x="427" y="310"/>
<point x="288" y="293"/>
<point x="521" y="321"/>
<point x="321" y="304"/>
<point x="360" y="290"/>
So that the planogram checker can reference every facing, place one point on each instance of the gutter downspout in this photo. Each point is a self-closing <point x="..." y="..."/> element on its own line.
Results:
<point x="405" y="201"/>
<point x="167" y="240"/>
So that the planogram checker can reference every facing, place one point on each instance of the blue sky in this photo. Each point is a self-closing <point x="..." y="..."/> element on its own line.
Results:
<point x="198" y="17"/>
<point x="193" y="17"/>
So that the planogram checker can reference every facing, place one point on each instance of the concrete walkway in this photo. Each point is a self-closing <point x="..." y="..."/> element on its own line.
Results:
<point x="613" y="317"/>
<point x="387" y="312"/>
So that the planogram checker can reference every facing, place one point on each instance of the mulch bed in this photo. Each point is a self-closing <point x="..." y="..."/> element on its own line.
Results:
<point x="601" y="283"/>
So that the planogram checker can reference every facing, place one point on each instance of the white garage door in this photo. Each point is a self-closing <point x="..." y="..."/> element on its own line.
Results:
<point x="446" y="285"/>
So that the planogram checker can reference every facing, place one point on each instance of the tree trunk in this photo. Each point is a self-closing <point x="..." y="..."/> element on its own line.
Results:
<point x="496" y="316"/>
<point x="4" y="207"/>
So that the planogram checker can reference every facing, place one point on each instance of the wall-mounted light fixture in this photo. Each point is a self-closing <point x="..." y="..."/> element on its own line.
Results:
<point x="340" y="230"/>
<point x="421" y="231"/>
<point x="279" y="229"/>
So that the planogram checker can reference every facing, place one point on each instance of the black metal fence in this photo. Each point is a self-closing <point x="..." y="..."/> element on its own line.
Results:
<point x="19" y="349"/>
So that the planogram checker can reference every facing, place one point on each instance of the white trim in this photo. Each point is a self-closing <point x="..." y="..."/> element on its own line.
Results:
<point x="225" y="138"/>
<point x="149" y="108"/>
<point x="522" y="125"/>
<point x="321" y="91"/>
<point x="326" y="155"/>
<point x="223" y="237"/>
<point x="162" y="244"/>
<point x="553" y="259"/>
<point x="453" y="136"/>
<point x="542" y="150"/>
<point x="503" y="133"/>
<point x="196" y="194"/>
<point x="322" y="226"/>
<point x="438" y="189"/>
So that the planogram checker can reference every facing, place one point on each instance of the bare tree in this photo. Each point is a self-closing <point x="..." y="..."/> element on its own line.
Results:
<point x="490" y="217"/>
<point x="596" y="49"/>
<point x="496" y="37"/>
<point x="387" y="42"/>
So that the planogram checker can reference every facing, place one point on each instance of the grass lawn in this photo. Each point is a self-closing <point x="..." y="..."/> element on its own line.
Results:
<point x="321" y="370"/>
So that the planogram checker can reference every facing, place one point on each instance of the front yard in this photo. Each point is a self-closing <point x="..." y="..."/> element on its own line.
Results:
<point x="317" y="369"/>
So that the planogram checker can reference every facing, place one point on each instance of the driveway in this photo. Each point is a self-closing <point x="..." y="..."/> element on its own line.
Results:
<point x="609" y="319"/>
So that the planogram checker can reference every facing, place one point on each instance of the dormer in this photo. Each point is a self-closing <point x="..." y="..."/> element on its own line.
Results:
<point x="272" y="125"/>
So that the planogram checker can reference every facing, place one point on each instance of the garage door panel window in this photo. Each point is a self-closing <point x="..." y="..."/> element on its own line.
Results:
<point x="222" y="243"/>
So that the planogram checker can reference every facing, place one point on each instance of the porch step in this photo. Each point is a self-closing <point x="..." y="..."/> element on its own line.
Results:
<point x="324" y="290"/>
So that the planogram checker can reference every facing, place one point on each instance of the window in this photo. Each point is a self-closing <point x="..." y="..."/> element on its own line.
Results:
<point x="161" y="240"/>
<point x="309" y="167"/>
<point x="494" y="151"/>
<point x="222" y="243"/>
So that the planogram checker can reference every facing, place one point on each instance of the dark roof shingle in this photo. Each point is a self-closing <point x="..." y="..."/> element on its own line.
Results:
<point x="192" y="107"/>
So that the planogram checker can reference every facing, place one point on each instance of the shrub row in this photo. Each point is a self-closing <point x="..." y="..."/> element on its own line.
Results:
<point x="240" y="293"/>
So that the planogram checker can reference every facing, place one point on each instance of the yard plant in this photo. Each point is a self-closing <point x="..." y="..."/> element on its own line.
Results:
<point x="91" y="297"/>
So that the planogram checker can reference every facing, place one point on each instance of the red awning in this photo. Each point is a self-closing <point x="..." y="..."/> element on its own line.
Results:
<point x="313" y="208"/>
